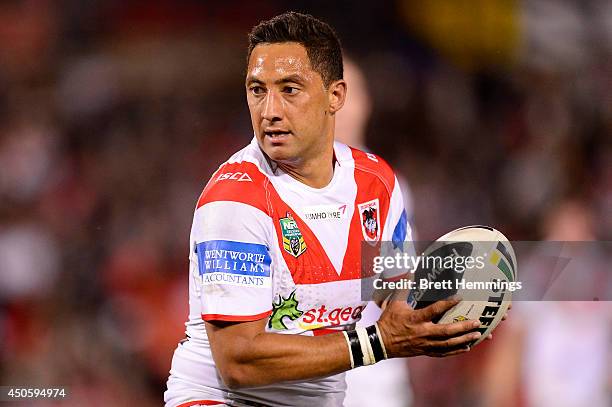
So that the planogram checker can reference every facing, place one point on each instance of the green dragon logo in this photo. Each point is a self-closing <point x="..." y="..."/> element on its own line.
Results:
<point x="286" y="307"/>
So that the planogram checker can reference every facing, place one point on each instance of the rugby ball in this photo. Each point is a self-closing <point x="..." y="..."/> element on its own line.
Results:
<point x="478" y="264"/>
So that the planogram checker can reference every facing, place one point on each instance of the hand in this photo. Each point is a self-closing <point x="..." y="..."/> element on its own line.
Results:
<point x="407" y="332"/>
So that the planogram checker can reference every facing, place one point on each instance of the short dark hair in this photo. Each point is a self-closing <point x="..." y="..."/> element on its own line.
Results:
<point x="321" y="42"/>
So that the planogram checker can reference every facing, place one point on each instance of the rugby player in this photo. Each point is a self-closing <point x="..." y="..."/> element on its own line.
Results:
<point x="275" y="246"/>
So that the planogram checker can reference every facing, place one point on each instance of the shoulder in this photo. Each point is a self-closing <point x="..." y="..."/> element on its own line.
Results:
<point x="370" y="166"/>
<point x="240" y="179"/>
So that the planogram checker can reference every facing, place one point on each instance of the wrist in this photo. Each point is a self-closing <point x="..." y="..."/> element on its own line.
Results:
<point x="385" y="338"/>
<point x="365" y="346"/>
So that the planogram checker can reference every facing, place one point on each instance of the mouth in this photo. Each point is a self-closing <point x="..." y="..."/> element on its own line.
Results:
<point x="277" y="135"/>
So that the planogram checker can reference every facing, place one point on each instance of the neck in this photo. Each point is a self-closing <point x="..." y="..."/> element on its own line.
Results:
<point x="316" y="172"/>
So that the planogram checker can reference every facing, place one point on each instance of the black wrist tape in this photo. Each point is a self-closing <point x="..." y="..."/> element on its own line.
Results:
<point x="375" y="343"/>
<point x="355" y="348"/>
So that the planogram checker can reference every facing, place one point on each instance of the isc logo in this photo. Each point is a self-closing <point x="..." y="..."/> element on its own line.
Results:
<point x="372" y="157"/>
<point x="235" y="176"/>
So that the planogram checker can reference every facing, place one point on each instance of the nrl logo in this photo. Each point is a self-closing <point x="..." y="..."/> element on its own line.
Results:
<point x="286" y="307"/>
<point x="370" y="224"/>
<point x="293" y="241"/>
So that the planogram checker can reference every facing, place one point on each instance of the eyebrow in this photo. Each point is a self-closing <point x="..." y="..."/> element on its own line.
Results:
<point x="290" y="78"/>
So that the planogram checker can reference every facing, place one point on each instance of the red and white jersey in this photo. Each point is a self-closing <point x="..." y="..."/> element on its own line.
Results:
<point x="264" y="245"/>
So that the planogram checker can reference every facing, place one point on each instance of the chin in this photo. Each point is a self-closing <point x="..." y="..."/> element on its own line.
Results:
<point x="279" y="154"/>
<point x="282" y="152"/>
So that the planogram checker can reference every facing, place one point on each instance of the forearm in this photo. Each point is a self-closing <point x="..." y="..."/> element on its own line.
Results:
<point x="247" y="356"/>
<point x="269" y="358"/>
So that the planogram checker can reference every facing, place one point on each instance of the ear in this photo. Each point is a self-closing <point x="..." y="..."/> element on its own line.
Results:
<point x="337" y="95"/>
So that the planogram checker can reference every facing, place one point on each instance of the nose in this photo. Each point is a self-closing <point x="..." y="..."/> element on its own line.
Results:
<point x="273" y="107"/>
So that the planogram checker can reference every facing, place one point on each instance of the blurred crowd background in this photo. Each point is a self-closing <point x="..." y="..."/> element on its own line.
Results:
<point x="114" y="113"/>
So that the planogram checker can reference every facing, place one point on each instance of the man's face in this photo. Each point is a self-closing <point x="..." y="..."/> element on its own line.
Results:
<point x="288" y="102"/>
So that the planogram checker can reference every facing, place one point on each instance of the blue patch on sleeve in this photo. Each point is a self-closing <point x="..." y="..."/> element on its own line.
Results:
<point x="399" y="233"/>
<point x="226" y="256"/>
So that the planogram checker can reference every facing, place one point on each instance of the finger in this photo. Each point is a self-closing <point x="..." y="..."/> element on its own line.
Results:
<point x="490" y="337"/>
<point x="458" y="351"/>
<point x="438" y="308"/>
<point x="506" y="313"/>
<point x="452" y="329"/>
<point x="457" y="341"/>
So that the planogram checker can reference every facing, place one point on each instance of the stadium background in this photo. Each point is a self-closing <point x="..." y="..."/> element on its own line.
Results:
<point x="114" y="114"/>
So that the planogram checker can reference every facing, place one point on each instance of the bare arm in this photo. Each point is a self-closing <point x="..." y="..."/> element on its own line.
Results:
<point x="244" y="354"/>
<point x="247" y="356"/>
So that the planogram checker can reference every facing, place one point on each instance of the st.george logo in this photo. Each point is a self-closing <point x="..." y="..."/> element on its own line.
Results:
<point x="293" y="241"/>
<point x="370" y="220"/>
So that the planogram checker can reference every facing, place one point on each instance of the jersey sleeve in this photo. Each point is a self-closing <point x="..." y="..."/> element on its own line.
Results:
<point x="397" y="234"/>
<point x="231" y="259"/>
